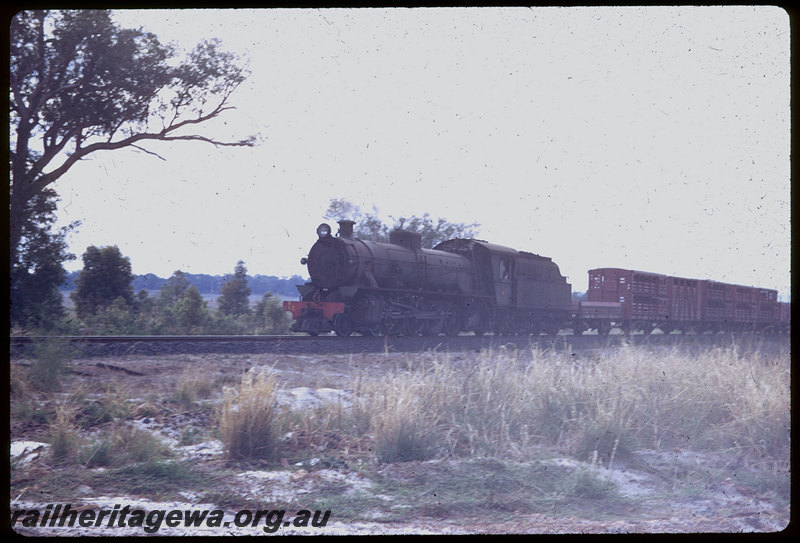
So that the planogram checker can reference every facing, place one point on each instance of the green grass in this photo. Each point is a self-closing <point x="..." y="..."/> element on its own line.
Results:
<point x="122" y="445"/>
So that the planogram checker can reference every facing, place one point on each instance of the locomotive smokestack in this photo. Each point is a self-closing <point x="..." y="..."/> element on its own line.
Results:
<point x="346" y="229"/>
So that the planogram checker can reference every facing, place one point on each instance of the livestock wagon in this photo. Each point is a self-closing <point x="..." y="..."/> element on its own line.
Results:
<point x="650" y="301"/>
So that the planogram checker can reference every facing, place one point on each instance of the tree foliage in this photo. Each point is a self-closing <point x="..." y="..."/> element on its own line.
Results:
<point x="370" y="227"/>
<point x="174" y="289"/>
<point x="269" y="316"/>
<point x="106" y="276"/>
<point x="191" y="312"/>
<point x="35" y="301"/>
<point x="235" y="294"/>
<point x="79" y="84"/>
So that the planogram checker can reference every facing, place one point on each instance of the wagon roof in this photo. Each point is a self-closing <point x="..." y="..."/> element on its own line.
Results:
<point x="686" y="278"/>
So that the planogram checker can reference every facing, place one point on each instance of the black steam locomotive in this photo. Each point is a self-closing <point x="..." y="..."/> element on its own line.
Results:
<point x="399" y="288"/>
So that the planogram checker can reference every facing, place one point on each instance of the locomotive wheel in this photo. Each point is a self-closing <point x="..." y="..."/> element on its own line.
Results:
<point x="551" y="329"/>
<point x="451" y="320"/>
<point x="434" y="327"/>
<point x="393" y="327"/>
<point x="413" y="327"/>
<point x="483" y="326"/>
<point x="375" y="331"/>
<point x="342" y="325"/>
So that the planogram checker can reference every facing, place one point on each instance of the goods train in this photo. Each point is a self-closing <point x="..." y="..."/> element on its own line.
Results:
<point x="399" y="288"/>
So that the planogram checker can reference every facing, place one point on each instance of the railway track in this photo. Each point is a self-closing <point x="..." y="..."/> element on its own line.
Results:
<point x="88" y="346"/>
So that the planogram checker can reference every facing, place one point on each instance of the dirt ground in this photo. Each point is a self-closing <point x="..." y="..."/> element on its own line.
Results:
<point x="652" y="491"/>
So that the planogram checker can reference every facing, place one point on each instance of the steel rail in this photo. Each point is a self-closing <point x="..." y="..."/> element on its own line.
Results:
<point x="297" y="344"/>
<point x="26" y="340"/>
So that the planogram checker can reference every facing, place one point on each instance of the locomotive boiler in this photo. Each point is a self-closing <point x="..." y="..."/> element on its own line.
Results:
<point x="401" y="288"/>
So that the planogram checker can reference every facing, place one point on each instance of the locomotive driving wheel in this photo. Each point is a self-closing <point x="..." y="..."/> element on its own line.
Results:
<point x="483" y="322"/>
<point x="451" y="320"/>
<point x="343" y="324"/>
<point x="480" y="329"/>
<point x="393" y="327"/>
<point x="414" y="327"/>
<point x="373" y="331"/>
<point x="434" y="327"/>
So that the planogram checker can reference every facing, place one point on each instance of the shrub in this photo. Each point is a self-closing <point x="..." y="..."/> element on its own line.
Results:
<point x="585" y="484"/>
<point x="122" y="445"/>
<point x="50" y="363"/>
<point x="269" y="316"/>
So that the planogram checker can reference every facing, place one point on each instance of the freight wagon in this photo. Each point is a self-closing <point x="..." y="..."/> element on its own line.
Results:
<point x="648" y="301"/>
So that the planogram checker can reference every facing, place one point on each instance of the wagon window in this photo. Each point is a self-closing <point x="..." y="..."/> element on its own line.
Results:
<point x="505" y="268"/>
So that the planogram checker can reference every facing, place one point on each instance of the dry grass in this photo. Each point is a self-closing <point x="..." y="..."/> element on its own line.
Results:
<point x="18" y="383"/>
<point x="193" y="385"/>
<point x="600" y="408"/>
<point x="251" y="420"/>
<point x="64" y="437"/>
<point x="499" y="412"/>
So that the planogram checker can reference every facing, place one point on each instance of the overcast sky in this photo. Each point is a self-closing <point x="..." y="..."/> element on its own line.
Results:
<point x="654" y="138"/>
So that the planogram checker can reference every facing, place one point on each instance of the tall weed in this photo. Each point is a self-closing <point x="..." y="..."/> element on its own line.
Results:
<point x="251" y="420"/>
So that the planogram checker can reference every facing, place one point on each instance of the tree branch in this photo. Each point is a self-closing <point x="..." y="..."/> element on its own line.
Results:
<point x="47" y="178"/>
<point x="142" y="149"/>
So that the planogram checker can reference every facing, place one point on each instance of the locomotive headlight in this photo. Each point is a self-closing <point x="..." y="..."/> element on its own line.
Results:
<point x="323" y="230"/>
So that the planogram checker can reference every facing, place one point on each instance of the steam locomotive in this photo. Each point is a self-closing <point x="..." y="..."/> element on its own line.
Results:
<point x="399" y="288"/>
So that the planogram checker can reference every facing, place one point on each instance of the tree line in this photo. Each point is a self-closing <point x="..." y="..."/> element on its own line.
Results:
<point x="206" y="283"/>
<point x="106" y="303"/>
